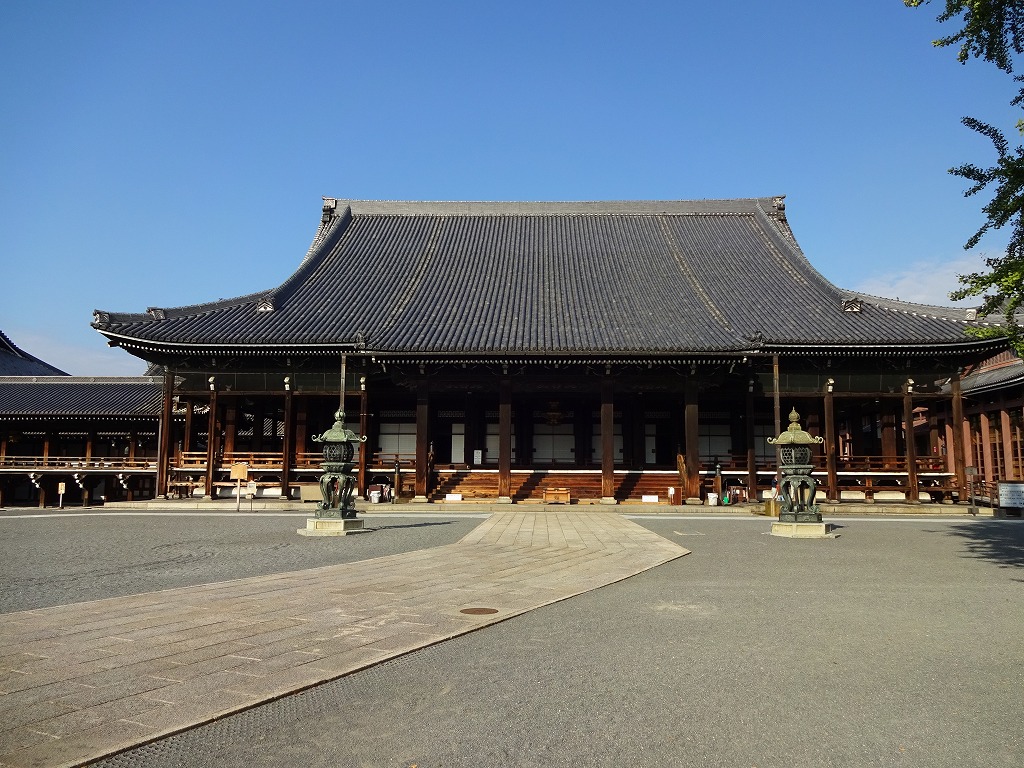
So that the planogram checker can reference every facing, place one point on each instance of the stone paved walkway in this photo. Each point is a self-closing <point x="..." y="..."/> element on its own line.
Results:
<point x="85" y="680"/>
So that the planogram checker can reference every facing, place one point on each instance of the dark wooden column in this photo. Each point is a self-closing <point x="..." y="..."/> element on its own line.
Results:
<point x="985" y="436"/>
<point x="230" y="426"/>
<point x="959" y="465"/>
<point x="3" y="457"/>
<point x="607" y="442"/>
<point x="186" y="443"/>
<point x="301" y="426"/>
<point x="422" y="442"/>
<point x="913" y="492"/>
<point x="1006" y="436"/>
<point x="887" y="416"/>
<point x="692" y="416"/>
<point x="163" y="447"/>
<point x="364" y="430"/>
<point x="471" y="430"/>
<point x="751" y="448"/>
<point x="830" y="443"/>
<point x="211" y="444"/>
<point x="583" y="433"/>
<point x="288" y="443"/>
<point x="505" y="441"/>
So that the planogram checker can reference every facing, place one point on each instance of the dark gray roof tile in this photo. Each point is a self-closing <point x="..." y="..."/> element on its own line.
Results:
<point x="548" y="278"/>
<point x="73" y="396"/>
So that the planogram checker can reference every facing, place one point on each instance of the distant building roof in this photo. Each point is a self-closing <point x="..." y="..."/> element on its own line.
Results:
<point x="542" y="279"/>
<point x="80" y="396"/>
<point x="17" y="362"/>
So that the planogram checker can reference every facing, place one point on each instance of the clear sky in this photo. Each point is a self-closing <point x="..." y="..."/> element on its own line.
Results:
<point x="169" y="153"/>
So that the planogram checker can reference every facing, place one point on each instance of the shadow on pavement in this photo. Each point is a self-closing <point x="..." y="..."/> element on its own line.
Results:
<point x="1000" y="543"/>
<point x="409" y="525"/>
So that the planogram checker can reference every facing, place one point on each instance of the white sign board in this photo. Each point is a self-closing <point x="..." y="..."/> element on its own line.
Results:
<point x="1011" y="495"/>
<point x="250" y="487"/>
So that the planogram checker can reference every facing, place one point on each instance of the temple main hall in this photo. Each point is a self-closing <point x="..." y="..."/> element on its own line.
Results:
<point x="595" y="352"/>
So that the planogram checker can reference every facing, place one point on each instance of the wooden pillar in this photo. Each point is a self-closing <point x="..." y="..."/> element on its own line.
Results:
<point x="887" y="416"/>
<point x="163" y="447"/>
<point x="186" y="443"/>
<point x="607" y="442"/>
<point x="583" y="433"/>
<point x="751" y="448"/>
<point x="959" y="465"/>
<point x="212" y="435"/>
<point x="471" y="430"/>
<point x="505" y="441"/>
<point x="913" y="491"/>
<point x="985" y="436"/>
<point x="692" y="427"/>
<point x="301" y="426"/>
<point x="288" y="444"/>
<point x="1006" y="435"/>
<point x="364" y="431"/>
<point x="830" y="444"/>
<point x="230" y="428"/>
<point x="422" y="442"/>
<point x="3" y="460"/>
<point x="90" y="440"/>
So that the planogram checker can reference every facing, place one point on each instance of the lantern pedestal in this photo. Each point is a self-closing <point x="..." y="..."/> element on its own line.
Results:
<point x="803" y="530"/>
<point x="331" y="526"/>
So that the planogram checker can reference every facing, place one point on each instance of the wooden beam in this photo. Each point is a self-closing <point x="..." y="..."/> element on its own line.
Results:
<point x="211" y="445"/>
<point x="913" y="492"/>
<point x="163" y="446"/>
<point x="287" y="445"/>
<point x="422" y="441"/>
<point x="830" y="445"/>
<point x="505" y="441"/>
<point x="608" y="442"/>
<point x="692" y="427"/>
<point x="959" y="465"/>
<point x="1006" y="436"/>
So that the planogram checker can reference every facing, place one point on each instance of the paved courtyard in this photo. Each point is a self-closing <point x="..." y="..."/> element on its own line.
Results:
<point x="899" y="643"/>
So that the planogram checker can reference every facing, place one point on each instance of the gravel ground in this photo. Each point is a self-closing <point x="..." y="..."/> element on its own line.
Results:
<point x="67" y="558"/>
<point x="896" y="644"/>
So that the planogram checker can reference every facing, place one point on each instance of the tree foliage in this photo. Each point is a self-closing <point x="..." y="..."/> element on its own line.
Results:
<point x="993" y="30"/>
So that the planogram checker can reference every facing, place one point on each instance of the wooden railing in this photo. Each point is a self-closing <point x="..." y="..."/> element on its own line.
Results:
<point x="75" y="463"/>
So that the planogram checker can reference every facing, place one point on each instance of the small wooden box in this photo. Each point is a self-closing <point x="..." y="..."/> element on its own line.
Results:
<point x="556" y="495"/>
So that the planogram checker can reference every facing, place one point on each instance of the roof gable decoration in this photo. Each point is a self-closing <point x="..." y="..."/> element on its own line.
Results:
<point x="856" y="304"/>
<point x="264" y="304"/>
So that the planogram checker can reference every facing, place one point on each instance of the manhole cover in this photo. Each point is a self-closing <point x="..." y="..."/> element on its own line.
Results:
<point x="478" y="611"/>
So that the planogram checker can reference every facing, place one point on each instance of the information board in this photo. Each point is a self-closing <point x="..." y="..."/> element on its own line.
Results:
<point x="1011" y="495"/>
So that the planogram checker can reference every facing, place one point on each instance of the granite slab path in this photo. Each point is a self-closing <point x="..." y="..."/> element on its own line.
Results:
<point x="86" y="680"/>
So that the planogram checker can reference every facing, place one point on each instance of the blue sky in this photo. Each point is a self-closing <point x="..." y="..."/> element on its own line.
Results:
<point x="164" y="154"/>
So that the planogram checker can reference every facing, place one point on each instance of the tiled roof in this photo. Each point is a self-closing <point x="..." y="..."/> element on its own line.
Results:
<point x="1011" y="374"/>
<point x="74" y="396"/>
<point x="17" y="362"/>
<point x="625" y="278"/>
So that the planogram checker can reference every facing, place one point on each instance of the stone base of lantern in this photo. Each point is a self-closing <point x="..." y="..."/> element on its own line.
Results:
<point x="803" y="530"/>
<point x="331" y="526"/>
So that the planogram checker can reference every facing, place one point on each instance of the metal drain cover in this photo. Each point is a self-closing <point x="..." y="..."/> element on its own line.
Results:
<point x="478" y="611"/>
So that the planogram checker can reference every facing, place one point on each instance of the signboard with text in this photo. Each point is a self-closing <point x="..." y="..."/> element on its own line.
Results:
<point x="1011" y="495"/>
